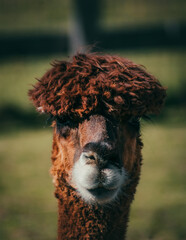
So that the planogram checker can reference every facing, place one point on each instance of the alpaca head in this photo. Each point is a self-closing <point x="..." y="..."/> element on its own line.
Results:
<point x="96" y="102"/>
<point x="93" y="155"/>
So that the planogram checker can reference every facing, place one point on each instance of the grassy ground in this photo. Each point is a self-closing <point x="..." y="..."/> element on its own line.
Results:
<point x="29" y="210"/>
<point x="123" y="13"/>
<point x="35" y="15"/>
<point x="159" y="208"/>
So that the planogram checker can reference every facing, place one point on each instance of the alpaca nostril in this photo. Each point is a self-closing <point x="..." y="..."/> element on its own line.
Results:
<point x="93" y="158"/>
<point x="90" y="157"/>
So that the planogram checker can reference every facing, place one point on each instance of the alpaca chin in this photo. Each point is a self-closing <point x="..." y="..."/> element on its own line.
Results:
<point x="97" y="186"/>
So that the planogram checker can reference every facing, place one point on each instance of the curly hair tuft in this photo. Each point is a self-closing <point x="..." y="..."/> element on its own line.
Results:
<point x="93" y="83"/>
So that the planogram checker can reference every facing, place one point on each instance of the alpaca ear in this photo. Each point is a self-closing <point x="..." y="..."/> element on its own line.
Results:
<point x="45" y="91"/>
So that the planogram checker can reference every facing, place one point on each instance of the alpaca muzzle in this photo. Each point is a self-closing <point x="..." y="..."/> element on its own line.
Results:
<point x="100" y="153"/>
<point x="96" y="177"/>
<point x="93" y="158"/>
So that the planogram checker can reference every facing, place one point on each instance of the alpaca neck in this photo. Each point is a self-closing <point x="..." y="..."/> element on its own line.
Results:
<point x="78" y="220"/>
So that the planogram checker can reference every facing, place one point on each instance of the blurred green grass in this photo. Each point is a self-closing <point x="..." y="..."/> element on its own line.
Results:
<point x="159" y="208"/>
<point x="36" y="15"/>
<point x="53" y="16"/>
<point x="28" y="207"/>
<point x="133" y="13"/>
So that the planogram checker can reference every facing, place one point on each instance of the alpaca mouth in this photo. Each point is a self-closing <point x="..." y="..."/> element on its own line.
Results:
<point x="96" y="185"/>
<point x="102" y="194"/>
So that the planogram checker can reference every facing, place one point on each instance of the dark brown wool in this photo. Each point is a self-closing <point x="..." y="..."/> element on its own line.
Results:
<point x="115" y="88"/>
<point x="91" y="83"/>
<point x="79" y="220"/>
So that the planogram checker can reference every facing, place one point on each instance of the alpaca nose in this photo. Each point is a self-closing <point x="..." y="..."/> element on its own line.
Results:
<point x="97" y="153"/>
<point x="91" y="157"/>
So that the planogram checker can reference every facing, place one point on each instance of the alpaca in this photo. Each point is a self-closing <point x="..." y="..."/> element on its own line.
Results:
<point x="96" y="103"/>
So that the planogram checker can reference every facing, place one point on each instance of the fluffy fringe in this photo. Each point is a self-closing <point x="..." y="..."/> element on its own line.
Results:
<point x="92" y="84"/>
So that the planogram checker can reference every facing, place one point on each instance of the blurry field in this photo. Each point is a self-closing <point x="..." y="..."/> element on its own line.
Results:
<point x="28" y="208"/>
<point x="132" y="13"/>
<point x="35" y="15"/>
<point x="159" y="208"/>
<point x="55" y="16"/>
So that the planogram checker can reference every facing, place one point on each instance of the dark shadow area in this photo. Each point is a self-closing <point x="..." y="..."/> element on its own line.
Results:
<point x="129" y="38"/>
<point x="14" y="118"/>
<point x="160" y="36"/>
<point x="31" y="44"/>
<point x="169" y="220"/>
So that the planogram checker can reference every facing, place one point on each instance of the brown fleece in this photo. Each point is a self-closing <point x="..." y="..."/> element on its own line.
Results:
<point x="93" y="84"/>
<point x="79" y="220"/>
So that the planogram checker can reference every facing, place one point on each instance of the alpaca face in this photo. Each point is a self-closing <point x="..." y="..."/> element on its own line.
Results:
<point x="98" y="151"/>
<point x="98" y="156"/>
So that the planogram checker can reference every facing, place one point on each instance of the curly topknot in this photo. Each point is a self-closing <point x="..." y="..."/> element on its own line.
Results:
<point x="97" y="84"/>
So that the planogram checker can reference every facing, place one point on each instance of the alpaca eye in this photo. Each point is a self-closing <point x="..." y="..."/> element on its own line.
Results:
<point x="65" y="131"/>
<point x="63" y="127"/>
